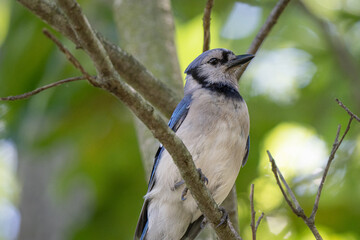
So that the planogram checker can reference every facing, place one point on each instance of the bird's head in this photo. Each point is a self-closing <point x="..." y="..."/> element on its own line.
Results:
<point x="217" y="66"/>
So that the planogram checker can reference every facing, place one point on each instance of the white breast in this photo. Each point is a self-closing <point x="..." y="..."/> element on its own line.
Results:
<point x="217" y="140"/>
<point x="215" y="131"/>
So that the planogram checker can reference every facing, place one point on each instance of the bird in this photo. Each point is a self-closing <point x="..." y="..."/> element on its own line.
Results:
<point x="213" y="122"/>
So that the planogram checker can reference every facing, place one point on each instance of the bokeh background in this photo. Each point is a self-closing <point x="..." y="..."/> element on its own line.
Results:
<point x="70" y="165"/>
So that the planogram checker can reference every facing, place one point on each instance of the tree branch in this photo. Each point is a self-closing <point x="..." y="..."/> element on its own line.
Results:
<point x="259" y="220"/>
<point x="347" y="110"/>
<point x="254" y="226"/>
<point x="36" y="91"/>
<point x="310" y="221"/>
<point x="70" y="57"/>
<point x="297" y="211"/>
<point x="206" y="24"/>
<point x="264" y="31"/>
<point x="335" y="147"/>
<point x="291" y="193"/>
<point x="110" y="81"/>
<point x="331" y="157"/>
<point x="253" y="214"/>
<point x="131" y="70"/>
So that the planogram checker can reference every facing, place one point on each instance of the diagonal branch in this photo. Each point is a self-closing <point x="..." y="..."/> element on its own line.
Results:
<point x="264" y="31"/>
<point x="70" y="57"/>
<point x="259" y="220"/>
<point x="130" y="69"/>
<point x="291" y="193"/>
<point x="110" y="81"/>
<point x="206" y="24"/>
<point x="38" y="90"/>
<point x="335" y="147"/>
<point x="331" y="157"/>
<point x="298" y="211"/>
<point x="347" y="110"/>
<point x="310" y="221"/>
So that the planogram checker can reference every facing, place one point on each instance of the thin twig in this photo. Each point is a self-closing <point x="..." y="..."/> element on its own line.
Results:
<point x="36" y="91"/>
<point x="275" y="170"/>
<point x="347" y="110"/>
<point x="310" y="221"/>
<point x="331" y="157"/>
<point x="259" y="220"/>
<point x="335" y="147"/>
<point x="206" y="24"/>
<point x="70" y="57"/>
<point x="131" y="70"/>
<point x="297" y="211"/>
<point x="264" y="31"/>
<point x="291" y="193"/>
<point x="254" y="226"/>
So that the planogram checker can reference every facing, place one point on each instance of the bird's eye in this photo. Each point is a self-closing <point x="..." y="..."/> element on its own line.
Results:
<point x="213" y="61"/>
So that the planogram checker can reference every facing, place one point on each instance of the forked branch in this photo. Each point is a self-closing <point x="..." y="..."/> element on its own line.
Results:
<point x="38" y="90"/>
<point x="293" y="203"/>
<point x="71" y="59"/>
<point x="254" y="226"/>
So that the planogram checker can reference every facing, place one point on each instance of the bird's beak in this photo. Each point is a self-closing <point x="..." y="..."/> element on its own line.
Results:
<point x="239" y="60"/>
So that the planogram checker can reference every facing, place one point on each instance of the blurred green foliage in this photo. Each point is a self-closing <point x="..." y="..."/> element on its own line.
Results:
<point x="98" y="134"/>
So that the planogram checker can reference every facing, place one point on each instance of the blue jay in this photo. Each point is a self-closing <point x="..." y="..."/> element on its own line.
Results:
<point x="213" y="122"/>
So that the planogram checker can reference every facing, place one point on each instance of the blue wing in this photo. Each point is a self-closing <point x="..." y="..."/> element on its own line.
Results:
<point x="247" y="152"/>
<point x="175" y="122"/>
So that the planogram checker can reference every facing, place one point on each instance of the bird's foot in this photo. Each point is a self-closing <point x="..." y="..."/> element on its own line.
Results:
<point x="178" y="184"/>
<point x="184" y="193"/>
<point x="224" y="217"/>
<point x="202" y="177"/>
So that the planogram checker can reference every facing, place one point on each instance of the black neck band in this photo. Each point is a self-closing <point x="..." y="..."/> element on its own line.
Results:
<point x="218" y="87"/>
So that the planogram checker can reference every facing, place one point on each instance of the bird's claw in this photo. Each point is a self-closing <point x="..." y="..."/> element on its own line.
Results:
<point x="224" y="217"/>
<point x="178" y="184"/>
<point x="202" y="177"/>
<point x="184" y="193"/>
